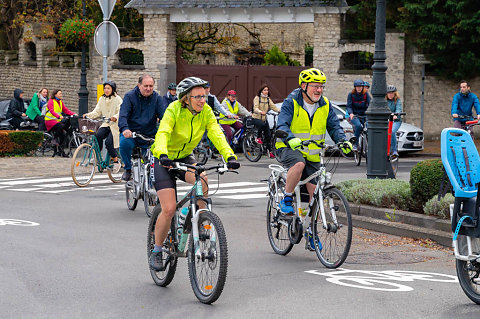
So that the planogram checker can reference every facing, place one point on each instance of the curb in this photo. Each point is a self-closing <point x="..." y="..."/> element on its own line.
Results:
<point x="402" y="223"/>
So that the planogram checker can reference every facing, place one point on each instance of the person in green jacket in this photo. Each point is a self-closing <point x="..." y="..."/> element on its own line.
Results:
<point x="37" y="105"/>
<point x="181" y="129"/>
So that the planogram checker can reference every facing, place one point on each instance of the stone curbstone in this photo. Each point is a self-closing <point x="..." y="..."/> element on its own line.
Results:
<point x="402" y="223"/>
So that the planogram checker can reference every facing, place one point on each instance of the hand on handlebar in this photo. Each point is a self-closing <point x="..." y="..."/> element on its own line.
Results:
<point x="345" y="146"/>
<point x="127" y="133"/>
<point x="454" y="115"/>
<point x="232" y="163"/>
<point x="165" y="161"/>
<point x="295" y="143"/>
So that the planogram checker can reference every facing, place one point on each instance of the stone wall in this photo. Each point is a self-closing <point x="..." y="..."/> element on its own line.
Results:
<point x="290" y="38"/>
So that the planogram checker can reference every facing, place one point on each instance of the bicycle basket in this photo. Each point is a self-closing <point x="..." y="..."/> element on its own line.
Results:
<point x="88" y="126"/>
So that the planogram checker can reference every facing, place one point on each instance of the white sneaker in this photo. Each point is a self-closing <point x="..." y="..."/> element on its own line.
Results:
<point x="116" y="167"/>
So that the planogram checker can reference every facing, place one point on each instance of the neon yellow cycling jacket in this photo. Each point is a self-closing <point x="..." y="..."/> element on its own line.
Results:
<point x="180" y="132"/>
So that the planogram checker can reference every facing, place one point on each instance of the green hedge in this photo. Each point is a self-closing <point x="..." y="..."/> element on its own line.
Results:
<point x="19" y="142"/>
<point x="378" y="192"/>
<point x="425" y="179"/>
<point x="439" y="208"/>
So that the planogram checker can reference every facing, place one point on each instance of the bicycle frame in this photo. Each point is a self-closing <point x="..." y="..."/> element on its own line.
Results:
<point x="322" y="182"/>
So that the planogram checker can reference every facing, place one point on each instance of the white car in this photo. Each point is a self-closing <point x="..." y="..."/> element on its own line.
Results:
<point x="410" y="137"/>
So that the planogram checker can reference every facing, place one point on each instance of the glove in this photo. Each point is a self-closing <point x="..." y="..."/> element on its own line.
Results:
<point x="165" y="161"/>
<point x="295" y="143"/>
<point x="232" y="163"/>
<point x="346" y="147"/>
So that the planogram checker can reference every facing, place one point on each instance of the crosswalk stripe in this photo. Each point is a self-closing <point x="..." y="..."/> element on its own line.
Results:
<point x="246" y="196"/>
<point x="45" y="180"/>
<point x="24" y="189"/>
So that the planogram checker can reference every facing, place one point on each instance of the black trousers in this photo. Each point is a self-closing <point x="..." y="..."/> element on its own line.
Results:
<point x="59" y="133"/>
<point x="16" y="121"/>
<point x="104" y="133"/>
<point x="262" y="126"/>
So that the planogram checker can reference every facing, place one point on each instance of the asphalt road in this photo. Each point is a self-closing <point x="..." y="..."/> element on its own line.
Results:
<point x="86" y="258"/>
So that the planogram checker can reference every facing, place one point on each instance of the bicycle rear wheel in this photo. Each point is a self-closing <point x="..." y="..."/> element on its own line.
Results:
<point x="207" y="263"/>
<point x="394" y="162"/>
<point x="277" y="225"/>
<point x="251" y="149"/>
<point x="468" y="273"/>
<point x="83" y="165"/>
<point x="165" y="277"/>
<point x="75" y="141"/>
<point x="332" y="243"/>
<point x="150" y="198"/>
<point x="46" y="148"/>
<point x="358" y="153"/>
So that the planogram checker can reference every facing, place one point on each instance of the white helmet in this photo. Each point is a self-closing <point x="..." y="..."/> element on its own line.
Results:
<point x="189" y="83"/>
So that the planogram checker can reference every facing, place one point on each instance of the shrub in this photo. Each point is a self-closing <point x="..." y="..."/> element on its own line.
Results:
<point x="275" y="57"/>
<point x="439" y="208"/>
<point x="19" y="142"/>
<point x="378" y="192"/>
<point x="425" y="179"/>
<point x="75" y="32"/>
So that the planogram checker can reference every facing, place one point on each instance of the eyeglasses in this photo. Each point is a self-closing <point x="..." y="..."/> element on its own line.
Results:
<point x="232" y="95"/>
<point x="200" y="97"/>
<point x="317" y="86"/>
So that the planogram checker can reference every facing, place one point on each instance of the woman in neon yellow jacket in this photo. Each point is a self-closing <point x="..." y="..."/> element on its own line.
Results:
<point x="180" y="131"/>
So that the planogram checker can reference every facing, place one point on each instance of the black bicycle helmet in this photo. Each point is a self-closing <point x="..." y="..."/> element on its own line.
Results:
<point x="189" y="83"/>
<point x="358" y="82"/>
<point x="391" y="88"/>
<point x="172" y="86"/>
<point x="112" y="84"/>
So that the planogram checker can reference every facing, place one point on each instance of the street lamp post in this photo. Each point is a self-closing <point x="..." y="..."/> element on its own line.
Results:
<point x="377" y="113"/>
<point x="83" y="92"/>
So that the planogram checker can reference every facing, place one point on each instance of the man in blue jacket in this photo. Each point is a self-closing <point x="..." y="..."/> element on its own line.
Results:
<point x="140" y="111"/>
<point x="171" y="94"/>
<point x="462" y="105"/>
<point x="306" y="114"/>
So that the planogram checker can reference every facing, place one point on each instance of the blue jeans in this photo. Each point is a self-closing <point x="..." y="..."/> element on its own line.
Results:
<point x="393" y="140"/>
<point x="126" y="148"/>
<point x="357" y="127"/>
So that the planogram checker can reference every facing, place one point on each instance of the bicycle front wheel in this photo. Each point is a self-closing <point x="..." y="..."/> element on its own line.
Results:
<point x="332" y="243"/>
<point x="83" y="165"/>
<point x="165" y="277"/>
<point x="130" y="195"/>
<point x="357" y="155"/>
<point x="277" y="225"/>
<point x="207" y="263"/>
<point x="150" y="198"/>
<point x="365" y="148"/>
<point x="251" y="149"/>
<point x="46" y="148"/>
<point x="468" y="273"/>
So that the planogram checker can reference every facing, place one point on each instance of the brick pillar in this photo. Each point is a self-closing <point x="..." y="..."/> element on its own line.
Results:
<point x="159" y="50"/>
<point x="327" y="32"/>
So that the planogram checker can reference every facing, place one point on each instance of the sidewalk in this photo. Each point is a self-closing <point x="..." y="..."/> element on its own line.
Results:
<point x="18" y="167"/>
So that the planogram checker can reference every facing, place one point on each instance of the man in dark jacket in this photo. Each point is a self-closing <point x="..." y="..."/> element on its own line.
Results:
<point x="16" y="109"/>
<point x="171" y="94"/>
<point x="140" y="111"/>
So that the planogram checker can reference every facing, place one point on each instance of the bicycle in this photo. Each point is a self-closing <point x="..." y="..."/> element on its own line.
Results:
<point x="252" y="150"/>
<point x="207" y="250"/>
<point x="326" y="219"/>
<point x="88" y="156"/>
<point x="47" y="147"/>
<point x="362" y="145"/>
<point x="392" y="158"/>
<point x="206" y="150"/>
<point x="465" y="126"/>
<point x="461" y="160"/>
<point x="141" y="185"/>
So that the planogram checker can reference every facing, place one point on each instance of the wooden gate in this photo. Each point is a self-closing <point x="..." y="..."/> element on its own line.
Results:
<point x="245" y="79"/>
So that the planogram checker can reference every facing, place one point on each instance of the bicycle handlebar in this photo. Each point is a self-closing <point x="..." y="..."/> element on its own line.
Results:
<point x="143" y="137"/>
<point x="221" y="168"/>
<point x="471" y="123"/>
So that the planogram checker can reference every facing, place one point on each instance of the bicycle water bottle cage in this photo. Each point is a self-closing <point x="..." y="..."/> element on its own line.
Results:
<point x="462" y="165"/>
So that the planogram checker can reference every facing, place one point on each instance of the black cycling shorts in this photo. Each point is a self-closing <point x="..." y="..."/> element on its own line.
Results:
<point x="165" y="178"/>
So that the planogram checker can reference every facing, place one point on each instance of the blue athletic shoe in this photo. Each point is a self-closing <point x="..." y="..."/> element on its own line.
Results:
<point x="286" y="205"/>
<point x="309" y="238"/>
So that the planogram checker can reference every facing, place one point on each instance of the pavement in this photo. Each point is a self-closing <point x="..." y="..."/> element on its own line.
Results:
<point x="378" y="219"/>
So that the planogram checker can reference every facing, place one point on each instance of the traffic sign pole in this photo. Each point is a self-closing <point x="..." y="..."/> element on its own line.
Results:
<point x="109" y="36"/>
